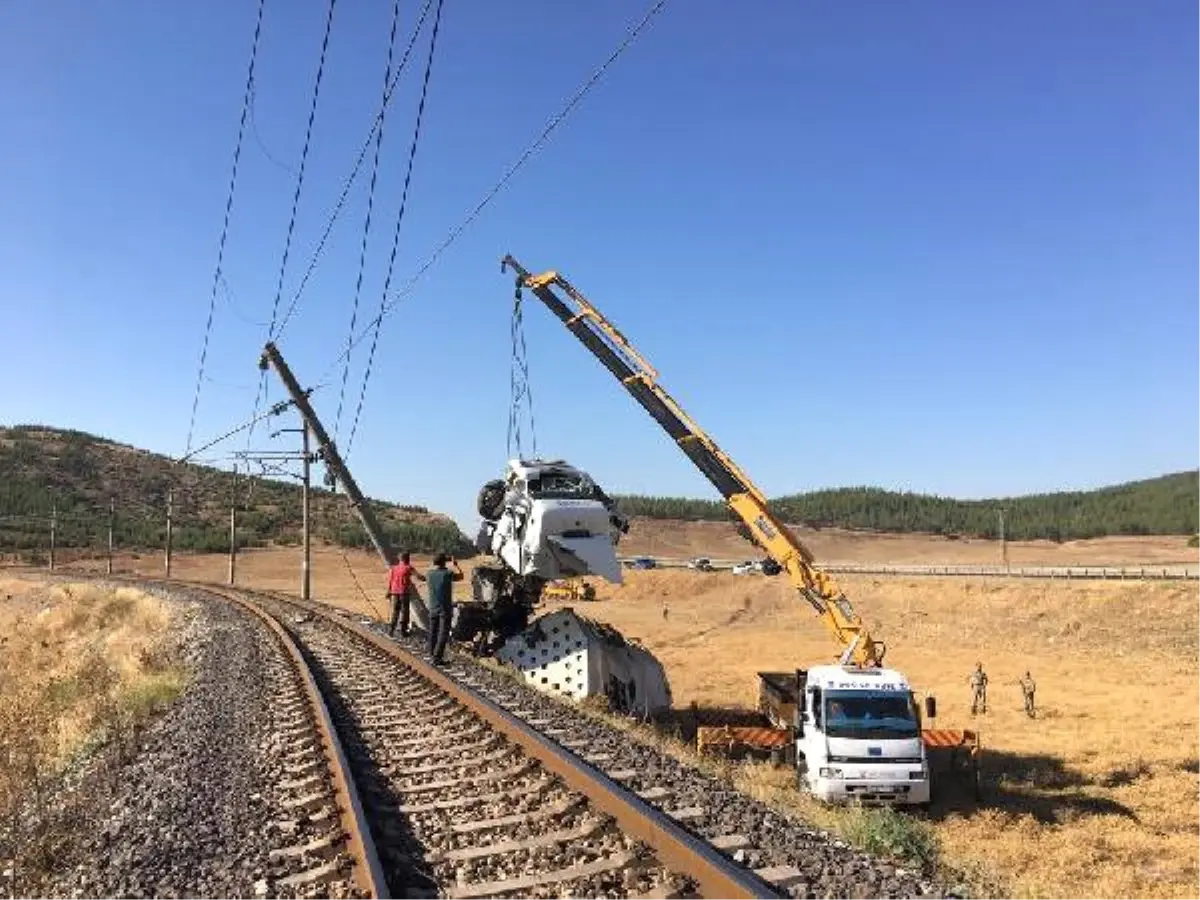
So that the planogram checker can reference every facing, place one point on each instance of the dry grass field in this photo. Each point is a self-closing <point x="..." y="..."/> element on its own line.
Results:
<point x="1096" y="797"/>
<point x="76" y="663"/>
<point x="681" y="540"/>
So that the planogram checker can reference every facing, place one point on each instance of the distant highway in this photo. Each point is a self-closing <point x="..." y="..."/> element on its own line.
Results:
<point x="1123" y="573"/>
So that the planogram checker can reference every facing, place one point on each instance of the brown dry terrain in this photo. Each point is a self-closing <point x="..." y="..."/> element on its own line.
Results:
<point x="76" y="662"/>
<point x="683" y="540"/>
<point x="1096" y="797"/>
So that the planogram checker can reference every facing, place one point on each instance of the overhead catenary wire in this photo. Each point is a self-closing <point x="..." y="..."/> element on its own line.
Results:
<point x="362" y="253"/>
<point x="390" y="305"/>
<point x="218" y="275"/>
<point x="312" y="117"/>
<point x="349" y="182"/>
<point x="412" y="155"/>
<point x="261" y="394"/>
<point x="508" y="175"/>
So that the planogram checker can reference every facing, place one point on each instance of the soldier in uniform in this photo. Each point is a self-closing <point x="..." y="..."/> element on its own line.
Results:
<point x="978" y="681"/>
<point x="1027" y="688"/>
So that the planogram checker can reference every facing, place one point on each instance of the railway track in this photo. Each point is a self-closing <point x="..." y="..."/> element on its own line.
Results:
<point x="326" y="847"/>
<point x="463" y="798"/>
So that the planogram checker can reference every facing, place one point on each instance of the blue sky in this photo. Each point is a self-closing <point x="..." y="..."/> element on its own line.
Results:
<point x="945" y="247"/>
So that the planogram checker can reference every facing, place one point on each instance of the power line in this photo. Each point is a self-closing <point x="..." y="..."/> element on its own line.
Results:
<point x="217" y="275"/>
<point x="261" y="393"/>
<point x="258" y="139"/>
<point x="533" y="147"/>
<point x="412" y="155"/>
<point x="362" y="155"/>
<point x="362" y="254"/>
<point x="257" y="417"/>
<point x="312" y="116"/>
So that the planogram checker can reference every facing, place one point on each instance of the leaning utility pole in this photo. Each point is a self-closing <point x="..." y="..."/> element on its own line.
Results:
<point x="329" y="454"/>
<point x="112" y="512"/>
<point x="53" y="532"/>
<point x="170" y="512"/>
<point x="333" y="462"/>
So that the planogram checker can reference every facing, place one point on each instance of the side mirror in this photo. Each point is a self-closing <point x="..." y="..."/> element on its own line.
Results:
<point x="931" y="707"/>
<point x="816" y="706"/>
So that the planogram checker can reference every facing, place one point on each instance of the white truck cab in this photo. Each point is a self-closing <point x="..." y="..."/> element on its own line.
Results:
<point x="858" y="737"/>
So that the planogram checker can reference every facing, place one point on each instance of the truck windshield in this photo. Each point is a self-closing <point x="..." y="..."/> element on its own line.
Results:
<point x="560" y="486"/>
<point x="871" y="715"/>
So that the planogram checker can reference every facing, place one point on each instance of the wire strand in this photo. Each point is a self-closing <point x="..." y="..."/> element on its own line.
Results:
<point x="412" y="155"/>
<point x="312" y="116"/>
<point x="362" y="253"/>
<point x="362" y="155"/>
<point x="262" y="392"/>
<point x="217" y="274"/>
<point x="529" y="151"/>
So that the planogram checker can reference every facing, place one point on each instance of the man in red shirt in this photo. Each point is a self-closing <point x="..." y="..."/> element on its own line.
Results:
<point x="400" y="591"/>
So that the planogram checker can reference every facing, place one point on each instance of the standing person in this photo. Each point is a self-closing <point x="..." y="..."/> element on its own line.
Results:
<point x="1028" y="686"/>
<point x="978" y="681"/>
<point x="400" y="592"/>
<point x="441" y="603"/>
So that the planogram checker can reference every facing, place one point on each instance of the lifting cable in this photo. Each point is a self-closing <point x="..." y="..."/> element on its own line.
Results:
<point x="412" y="155"/>
<point x="519" y="388"/>
<point x="362" y="253"/>
<point x="287" y="246"/>
<point x="218" y="275"/>
<point x="389" y="306"/>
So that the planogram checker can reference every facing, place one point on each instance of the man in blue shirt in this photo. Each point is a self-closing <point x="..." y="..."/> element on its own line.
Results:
<point x="439" y="582"/>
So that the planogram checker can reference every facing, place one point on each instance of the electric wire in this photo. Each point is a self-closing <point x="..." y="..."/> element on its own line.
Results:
<point x="258" y="138"/>
<point x="258" y="417"/>
<point x="512" y="170"/>
<point x="362" y="253"/>
<point x="312" y="116"/>
<point x="217" y="274"/>
<point x="412" y="155"/>
<point x="262" y="392"/>
<point x="362" y="155"/>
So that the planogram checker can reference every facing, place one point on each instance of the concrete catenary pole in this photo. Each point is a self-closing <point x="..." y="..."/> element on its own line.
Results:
<point x="233" y="529"/>
<point x="170" y="514"/>
<point x="112" y="515"/>
<point x="1003" y="541"/>
<point x="306" y="565"/>
<point x="53" y="533"/>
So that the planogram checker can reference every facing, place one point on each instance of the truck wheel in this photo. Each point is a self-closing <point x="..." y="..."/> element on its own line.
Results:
<point x="491" y="499"/>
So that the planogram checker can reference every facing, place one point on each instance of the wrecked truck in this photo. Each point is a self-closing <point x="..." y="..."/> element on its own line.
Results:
<point x="543" y="520"/>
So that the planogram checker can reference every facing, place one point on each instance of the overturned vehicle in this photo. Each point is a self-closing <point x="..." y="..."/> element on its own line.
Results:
<point x="544" y="520"/>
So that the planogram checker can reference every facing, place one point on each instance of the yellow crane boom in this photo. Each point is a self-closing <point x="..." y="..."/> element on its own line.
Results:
<point x="640" y="379"/>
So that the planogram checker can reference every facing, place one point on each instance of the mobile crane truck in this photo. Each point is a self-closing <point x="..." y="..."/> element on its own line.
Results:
<point x="853" y="728"/>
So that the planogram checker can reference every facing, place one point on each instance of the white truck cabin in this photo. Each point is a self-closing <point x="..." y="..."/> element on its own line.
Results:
<point x="859" y="737"/>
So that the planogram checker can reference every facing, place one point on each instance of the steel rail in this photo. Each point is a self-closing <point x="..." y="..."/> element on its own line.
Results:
<point x="715" y="874"/>
<point x="367" y="871"/>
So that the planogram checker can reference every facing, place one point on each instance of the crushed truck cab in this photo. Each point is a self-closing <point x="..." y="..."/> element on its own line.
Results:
<point x="857" y="733"/>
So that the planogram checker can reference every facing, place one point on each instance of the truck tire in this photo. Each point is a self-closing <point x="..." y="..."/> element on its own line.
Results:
<point x="491" y="499"/>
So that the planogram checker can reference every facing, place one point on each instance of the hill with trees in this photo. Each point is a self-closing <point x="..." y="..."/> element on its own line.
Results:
<point x="1166" y="505"/>
<point x="44" y="468"/>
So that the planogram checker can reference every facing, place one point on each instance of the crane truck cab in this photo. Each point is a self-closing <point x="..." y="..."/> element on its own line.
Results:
<point x="858" y="736"/>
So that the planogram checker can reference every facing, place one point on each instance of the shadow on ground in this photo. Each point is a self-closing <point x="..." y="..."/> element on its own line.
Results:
<point x="1035" y="784"/>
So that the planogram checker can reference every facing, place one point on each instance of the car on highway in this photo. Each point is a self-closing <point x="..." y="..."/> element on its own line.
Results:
<point x="700" y="564"/>
<point x="746" y="568"/>
<point x="642" y="562"/>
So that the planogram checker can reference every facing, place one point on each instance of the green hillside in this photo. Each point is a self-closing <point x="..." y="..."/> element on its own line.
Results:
<point x="1166" y="505"/>
<point x="41" y="467"/>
